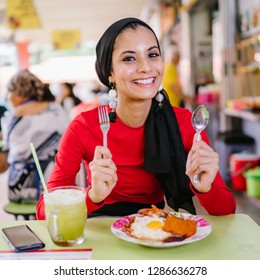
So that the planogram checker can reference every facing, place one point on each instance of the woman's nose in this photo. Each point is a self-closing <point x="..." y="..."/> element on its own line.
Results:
<point x="144" y="65"/>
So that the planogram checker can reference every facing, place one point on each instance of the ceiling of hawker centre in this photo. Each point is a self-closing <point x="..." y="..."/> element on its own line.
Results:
<point x="91" y="17"/>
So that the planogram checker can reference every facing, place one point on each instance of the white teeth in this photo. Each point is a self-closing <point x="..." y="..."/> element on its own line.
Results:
<point x="144" y="82"/>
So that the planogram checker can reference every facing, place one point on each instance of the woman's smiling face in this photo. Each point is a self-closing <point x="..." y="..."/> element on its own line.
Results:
<point x="137" y="66"/>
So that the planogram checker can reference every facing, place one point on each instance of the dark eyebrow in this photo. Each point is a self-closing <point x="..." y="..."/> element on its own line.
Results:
<point x="124" y="52"/>
<point x="151" y="48"/>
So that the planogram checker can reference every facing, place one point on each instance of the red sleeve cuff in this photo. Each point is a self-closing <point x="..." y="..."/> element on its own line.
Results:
<point x="196" y="192"/>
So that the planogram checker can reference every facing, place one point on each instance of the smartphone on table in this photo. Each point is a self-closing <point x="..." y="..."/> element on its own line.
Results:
<point x="21" y="238"/>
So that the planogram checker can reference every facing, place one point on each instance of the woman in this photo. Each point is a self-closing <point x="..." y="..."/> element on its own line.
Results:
<point x="67" y="98"/>
<point x="34" y="117"/>
<point x="3" y="109"/>
<point x="151" y="151"/>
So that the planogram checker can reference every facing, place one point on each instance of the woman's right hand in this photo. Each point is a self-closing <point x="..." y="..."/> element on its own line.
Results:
<point x="103" y="174"/>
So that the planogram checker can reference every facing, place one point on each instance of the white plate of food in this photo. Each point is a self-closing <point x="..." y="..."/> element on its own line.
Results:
<point x="154" y="227"/>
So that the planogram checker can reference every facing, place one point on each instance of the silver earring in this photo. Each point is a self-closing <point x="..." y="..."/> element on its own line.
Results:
<point x="159" y="97"/>
<point x="113" y="103"/>
<point x="113" y="95"/>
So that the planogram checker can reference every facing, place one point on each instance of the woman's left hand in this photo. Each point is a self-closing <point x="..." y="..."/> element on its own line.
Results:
<point x="204" y="160"/>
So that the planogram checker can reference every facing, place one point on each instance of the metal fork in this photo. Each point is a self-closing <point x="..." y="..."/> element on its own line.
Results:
<point x="104" y="122"/>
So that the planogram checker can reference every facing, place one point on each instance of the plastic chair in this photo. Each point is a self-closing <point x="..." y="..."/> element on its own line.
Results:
<point x="21" y="209"/>
<point x="27" y="210"/>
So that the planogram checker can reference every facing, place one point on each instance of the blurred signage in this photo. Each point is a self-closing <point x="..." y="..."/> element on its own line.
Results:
<point x="21" y="14"/>
<point x="66" y="39"/>
<point x="23" y="55"/>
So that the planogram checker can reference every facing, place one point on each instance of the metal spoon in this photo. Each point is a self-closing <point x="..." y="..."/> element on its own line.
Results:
<point x="199" y="119"/>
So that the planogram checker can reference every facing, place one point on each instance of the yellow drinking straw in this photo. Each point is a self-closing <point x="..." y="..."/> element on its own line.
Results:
<point x="38" y="167"/>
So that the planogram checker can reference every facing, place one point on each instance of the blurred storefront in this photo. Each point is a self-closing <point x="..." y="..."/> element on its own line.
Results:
<point x="219" y="42"/>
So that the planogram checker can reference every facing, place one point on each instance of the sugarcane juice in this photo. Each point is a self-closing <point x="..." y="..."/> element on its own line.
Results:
<point x="66" y="214"/>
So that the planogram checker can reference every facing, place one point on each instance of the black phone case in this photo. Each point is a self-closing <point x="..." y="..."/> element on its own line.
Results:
<point x="22" y="238"/>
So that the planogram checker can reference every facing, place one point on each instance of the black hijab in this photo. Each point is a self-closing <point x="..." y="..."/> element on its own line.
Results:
<point x="164" y="151"/>
<point x="165" y="155"/>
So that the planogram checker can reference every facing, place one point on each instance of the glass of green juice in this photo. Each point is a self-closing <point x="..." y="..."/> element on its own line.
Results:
<point x="66" y="214"/>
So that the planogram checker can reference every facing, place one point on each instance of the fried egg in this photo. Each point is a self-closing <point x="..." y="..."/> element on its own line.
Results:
<point x="149" y="228"/>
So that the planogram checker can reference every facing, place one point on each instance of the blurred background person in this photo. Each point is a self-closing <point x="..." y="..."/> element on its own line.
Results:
<point x="35" y="117"/>
<point x="67" y="97"/>
<point x="3" y="109"/>
<point x="96" y="95"/>
<point x="3" y="156"/>
<point x="102" y="92"/>
<point x="171" y="81"/>
<point x="91" y="103"/>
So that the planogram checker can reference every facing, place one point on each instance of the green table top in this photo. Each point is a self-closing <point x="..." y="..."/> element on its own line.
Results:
<point x="233" y="237"/>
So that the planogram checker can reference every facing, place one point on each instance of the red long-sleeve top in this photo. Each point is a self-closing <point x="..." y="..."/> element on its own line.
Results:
<point x="127" y="147"/>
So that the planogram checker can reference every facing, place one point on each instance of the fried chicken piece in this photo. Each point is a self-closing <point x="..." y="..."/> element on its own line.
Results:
<point x="153" y="211"/>
<point x="180" y="226"/>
